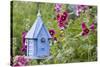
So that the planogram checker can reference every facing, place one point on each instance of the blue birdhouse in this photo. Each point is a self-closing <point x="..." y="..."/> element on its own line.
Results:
<point x="37" y="40"/>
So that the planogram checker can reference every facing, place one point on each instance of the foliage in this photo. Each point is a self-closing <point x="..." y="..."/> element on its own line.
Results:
<point x="69" y="45"/>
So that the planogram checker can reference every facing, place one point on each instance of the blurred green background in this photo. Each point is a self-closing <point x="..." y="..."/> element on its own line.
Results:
<point x="67" y="49"/>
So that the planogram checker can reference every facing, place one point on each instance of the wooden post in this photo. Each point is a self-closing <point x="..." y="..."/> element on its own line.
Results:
<point x="38" y="8"/>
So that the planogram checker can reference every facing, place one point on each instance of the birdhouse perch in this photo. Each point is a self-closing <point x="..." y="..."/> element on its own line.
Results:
<point x="37" y="40"/>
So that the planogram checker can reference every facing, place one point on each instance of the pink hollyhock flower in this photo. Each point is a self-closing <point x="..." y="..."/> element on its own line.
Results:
<point x="21" y="60"/>
<point x="24" y="48"/>
<point x="79" y="9"/>
<point x="78" y="13"/>
<point x="62" y="19"/>
<point x="83" y="7"/>
<point x="17" y="64"/>
<point x="85" y="30"/>
<point x="23" y="38"/>
<point x="61" y="25"/>
<point x="64" y="16"/>
<point x="92" y="27"/>
<point x="58" y="7"/>
<point x="52" y="32"/>
<point x="84" y="26"/>
<point x="59" y="18"/>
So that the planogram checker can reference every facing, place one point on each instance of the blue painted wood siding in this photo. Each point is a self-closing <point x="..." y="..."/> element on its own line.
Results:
<point x="42" y="47"/>
<point x="31" y="48"/>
